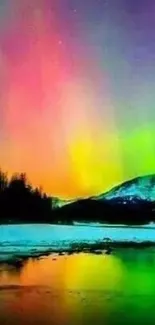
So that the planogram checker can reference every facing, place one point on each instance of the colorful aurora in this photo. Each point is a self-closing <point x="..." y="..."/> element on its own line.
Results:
<point x="77" y="99"/>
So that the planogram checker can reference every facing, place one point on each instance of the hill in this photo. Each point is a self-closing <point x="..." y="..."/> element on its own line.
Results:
<point x="132" y="202"/>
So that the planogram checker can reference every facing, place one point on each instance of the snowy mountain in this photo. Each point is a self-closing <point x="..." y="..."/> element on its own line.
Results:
<point x="58" y="203"/>
<point x="135" y="190"/>
<point x="138" y="189"/>
<point x="132" y="202"/>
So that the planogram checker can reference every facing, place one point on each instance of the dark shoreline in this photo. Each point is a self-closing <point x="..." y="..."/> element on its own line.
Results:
<point x="107" y="248"/>
<point x="79" y="224"/>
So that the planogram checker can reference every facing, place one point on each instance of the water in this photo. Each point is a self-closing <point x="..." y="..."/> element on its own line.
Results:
<point x="80" y="289"/>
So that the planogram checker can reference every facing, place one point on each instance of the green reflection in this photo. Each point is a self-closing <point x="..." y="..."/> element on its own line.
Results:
<point x="81" y="289"/>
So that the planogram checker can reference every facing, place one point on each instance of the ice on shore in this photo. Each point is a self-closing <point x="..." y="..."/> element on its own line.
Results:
<point x="32" y="239"/>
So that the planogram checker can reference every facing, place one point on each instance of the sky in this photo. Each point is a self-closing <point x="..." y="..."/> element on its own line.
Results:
<point x="77" y="92"/>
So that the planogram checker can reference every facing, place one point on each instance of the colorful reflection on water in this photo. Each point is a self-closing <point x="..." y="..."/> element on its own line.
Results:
<point x="80" y="289"/>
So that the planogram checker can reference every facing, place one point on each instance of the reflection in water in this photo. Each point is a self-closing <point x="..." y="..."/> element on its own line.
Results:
<point x="80" y="289"/>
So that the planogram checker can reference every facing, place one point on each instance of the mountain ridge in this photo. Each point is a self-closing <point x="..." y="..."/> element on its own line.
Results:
<point x="137" y="188"/>
<point x="141" y="188"/>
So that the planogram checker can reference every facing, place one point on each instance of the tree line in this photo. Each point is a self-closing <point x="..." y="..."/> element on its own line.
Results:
<point x="20" y="202"/>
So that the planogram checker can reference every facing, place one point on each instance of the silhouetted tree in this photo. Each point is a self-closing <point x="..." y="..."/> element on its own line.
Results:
<point x="3" y="181"/>
<point x="21" y="202"/>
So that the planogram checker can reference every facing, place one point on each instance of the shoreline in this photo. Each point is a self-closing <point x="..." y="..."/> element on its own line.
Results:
<point x="83" y="224"/>
<point x="108" y="248"/>
<point x="23" y="241"/>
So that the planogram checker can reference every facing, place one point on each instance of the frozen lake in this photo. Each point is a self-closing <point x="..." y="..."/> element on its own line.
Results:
<point x="38" y="238"/>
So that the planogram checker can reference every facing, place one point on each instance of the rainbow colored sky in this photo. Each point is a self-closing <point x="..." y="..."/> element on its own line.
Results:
<point x="77" y="92"/>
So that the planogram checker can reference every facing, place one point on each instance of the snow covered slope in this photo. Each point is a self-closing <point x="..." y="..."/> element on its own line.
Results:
<point x="141" y="188"/>
<point x="58" y="203"/>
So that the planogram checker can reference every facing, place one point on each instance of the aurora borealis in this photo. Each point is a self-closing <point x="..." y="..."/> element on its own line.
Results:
<point x="77" y="92"/>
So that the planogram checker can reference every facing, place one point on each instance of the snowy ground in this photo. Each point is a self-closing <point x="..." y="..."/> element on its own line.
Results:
<point x="29" y="240"/>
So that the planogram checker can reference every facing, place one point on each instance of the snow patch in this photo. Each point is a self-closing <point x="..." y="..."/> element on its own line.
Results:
<point x="30" y="239"/>
<point x="141" y="188"/>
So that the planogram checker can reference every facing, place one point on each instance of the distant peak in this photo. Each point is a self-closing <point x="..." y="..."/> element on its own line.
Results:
<point x="142" y="188"/>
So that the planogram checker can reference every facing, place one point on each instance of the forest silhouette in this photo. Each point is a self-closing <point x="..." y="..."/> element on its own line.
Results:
<point x="20" y="202"/>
